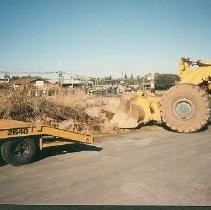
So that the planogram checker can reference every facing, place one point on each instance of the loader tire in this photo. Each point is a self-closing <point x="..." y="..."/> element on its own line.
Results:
<point x="18" y="151"/>
<point x="185" y="108"/>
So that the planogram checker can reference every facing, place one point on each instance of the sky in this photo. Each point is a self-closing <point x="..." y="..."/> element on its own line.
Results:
<point x="103" y="37"/>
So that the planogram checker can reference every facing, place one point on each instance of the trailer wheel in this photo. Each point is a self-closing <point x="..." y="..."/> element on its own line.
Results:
<point x="18" y="151"/>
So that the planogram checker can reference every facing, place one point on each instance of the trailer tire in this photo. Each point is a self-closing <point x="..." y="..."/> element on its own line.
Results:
<point x="18" y="151"/>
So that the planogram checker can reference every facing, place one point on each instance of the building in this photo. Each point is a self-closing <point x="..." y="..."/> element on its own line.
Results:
<point x="4" y="80"/>
<point x="72" y="83"/>
<point x="29" y="82"/>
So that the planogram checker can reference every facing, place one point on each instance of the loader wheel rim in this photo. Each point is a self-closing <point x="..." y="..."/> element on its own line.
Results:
<point x="20" y="148"/>
<point x="183" y="109"/>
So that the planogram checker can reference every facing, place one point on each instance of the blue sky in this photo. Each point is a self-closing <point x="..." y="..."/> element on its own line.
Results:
<point x="102" y="37"/>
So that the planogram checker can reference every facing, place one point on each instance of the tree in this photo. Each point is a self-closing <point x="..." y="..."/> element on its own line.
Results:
<point x="131" y="77"/>
<point x="125" y="77"/>
<point x="6" y="76"/>
<point x="165" y="81"/>
<point x="15" y="77"/>
<point x="139" y="80"/>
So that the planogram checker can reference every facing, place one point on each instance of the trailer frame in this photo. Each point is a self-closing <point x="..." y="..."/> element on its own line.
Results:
<point x="44" y="136"/>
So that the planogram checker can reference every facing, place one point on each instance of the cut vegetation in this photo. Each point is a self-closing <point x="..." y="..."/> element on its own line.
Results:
<point x="67" y="111"/>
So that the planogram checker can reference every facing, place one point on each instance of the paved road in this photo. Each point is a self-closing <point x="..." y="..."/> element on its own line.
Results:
<point x="148" y="166"/>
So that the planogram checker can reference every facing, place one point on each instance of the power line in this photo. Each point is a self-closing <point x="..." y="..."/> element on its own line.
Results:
<point x="59" y="73"/>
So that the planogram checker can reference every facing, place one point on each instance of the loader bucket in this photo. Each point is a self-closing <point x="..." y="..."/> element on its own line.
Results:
<point x="127" y="114"/>
<point x="135" y="109"/>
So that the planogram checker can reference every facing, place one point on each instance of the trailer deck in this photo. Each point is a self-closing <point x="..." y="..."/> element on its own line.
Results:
<point x="20" y="135"/>
<point x="13" y="128"/>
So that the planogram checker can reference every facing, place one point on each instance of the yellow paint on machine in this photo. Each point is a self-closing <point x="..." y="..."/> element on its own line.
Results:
<point x="142" y="107"/>
<point x="11" y="129"/>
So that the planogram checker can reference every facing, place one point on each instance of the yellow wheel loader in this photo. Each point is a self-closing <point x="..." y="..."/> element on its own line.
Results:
<point x="183" y="108"/>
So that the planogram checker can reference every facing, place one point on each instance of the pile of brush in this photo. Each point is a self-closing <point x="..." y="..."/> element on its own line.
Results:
<point x="65" y="111"/>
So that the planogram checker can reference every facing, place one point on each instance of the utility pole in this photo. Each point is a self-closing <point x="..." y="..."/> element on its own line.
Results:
<point x="122" y="73"/>
<point x="143" y="83"/>
<point x="60" y="74"/>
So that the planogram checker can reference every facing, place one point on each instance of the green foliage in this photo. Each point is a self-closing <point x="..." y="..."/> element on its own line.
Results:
<point x="6" y="75"/>
<point x="131" y="77"/>
<point x="130" y="82"/>
<point x="139" y="80"/>
<point x="14" y="78"/>
<point x="165" y="81"/>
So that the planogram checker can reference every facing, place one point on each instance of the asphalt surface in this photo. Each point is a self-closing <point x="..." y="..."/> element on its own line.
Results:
<point x="145" y="167"/>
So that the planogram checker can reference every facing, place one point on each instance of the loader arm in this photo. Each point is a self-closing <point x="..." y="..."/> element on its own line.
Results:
<point x="194" y="76"/>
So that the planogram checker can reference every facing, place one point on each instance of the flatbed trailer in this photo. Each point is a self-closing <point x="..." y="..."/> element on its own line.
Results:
<point x="19" y="141"/>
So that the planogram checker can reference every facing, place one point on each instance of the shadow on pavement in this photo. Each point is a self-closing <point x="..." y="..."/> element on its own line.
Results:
<point x="206" y="127"/>
<point x="2" y="163"/>
<point x="59" y="150"/>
